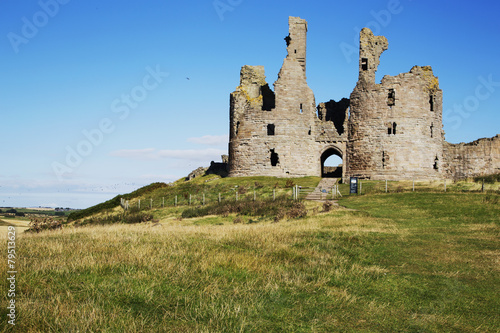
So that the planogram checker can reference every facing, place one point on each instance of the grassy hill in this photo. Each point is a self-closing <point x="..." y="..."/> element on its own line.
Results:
<point x="159" y="200"/>
<point x="409" y="261"/>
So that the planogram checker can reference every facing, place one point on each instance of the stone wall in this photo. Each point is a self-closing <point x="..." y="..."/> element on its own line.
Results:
<point x="395" y="127"/>
<point x="392" y="130"/>
<point x="481" y="157"/>
<point x="279" y="133"/>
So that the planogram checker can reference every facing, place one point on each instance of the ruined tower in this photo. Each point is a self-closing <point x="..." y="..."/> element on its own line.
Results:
<point x="395" y="127"/>
<point x="271" y="132"/>
<point x="391" y="130"/>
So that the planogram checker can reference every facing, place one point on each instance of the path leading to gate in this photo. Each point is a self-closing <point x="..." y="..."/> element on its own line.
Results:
<point x="326" y="184"/>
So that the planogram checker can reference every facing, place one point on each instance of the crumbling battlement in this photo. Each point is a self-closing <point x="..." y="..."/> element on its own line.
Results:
<point x="390" y="130"/>
<point x="279" y="133"/>
<point x="370" y="49"/>
<point x="480" y="157"/>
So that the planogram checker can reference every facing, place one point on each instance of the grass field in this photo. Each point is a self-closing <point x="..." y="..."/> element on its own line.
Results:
<point x="20" y="223"/>
<point x="397" y="262"/>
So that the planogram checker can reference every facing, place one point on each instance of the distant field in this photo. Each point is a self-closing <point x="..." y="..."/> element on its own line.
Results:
<point x="20" y="224"/>
<point x="396" y="262"/>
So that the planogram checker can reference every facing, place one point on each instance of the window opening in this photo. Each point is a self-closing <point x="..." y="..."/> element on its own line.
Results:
<point x="436" y="166"/>
<point x="391" y="97"/>
<point x="432" y="130"/>
<point x="364" y="64"/>
<point x="270" y="129"/>
<point x="237" y="127"/>
<point x="301" y="109"/>
<point x="394" y="125"/>
<point x="274" y="158"/>
<point x="431" y="102"/>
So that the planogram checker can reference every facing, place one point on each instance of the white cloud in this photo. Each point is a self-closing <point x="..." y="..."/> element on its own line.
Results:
<point x="210" y="154"/>
<point x="210" y="140"/>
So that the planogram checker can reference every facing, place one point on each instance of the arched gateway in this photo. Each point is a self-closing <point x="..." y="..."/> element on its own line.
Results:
<point x="332" y="171"/>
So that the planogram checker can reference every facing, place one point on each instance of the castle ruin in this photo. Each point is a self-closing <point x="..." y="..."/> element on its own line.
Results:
<point x="391" y="130"/>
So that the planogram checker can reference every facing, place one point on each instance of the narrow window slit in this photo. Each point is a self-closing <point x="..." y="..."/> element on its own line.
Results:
<point x="391" y="97"/>
<point x="270" y="129"/>
<point x="364" y="64"/>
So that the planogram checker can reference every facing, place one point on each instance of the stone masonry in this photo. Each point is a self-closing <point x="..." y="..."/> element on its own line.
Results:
<point x="470" y="159"/>
<point x="395" y="127"/>
<point x="392" y="130"/>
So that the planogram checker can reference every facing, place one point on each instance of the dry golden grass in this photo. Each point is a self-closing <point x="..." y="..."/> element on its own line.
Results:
<point x="346" y="270"/>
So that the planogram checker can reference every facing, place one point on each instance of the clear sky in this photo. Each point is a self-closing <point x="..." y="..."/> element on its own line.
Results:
<point x="99" y="98"/>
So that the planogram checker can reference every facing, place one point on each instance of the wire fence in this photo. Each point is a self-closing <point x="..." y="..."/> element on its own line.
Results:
<point x="212" y="197"/>
<point x="297" y="192"/>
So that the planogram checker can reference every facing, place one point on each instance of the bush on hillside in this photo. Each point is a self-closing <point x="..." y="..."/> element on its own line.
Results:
<point x="38" y="224"/>
<point x="131" y="218"/>
<point x="264" y="208"/>
<point x="489" y="179"/>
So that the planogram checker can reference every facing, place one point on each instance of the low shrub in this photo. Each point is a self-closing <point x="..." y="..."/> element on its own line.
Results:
<point x="130" y="218"/>
<point x="489" y="179"/>
<point x="298" y="210"/>
<point x="262" y="208"/>
<point x="327" y="206"/>
<point x="40" y="224"/>
<point x="280" y="215"/>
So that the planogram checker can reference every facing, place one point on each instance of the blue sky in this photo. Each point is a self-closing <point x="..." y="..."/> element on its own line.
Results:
<point x="99" y="97"/>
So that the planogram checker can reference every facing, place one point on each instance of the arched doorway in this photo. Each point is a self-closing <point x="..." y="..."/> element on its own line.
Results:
<point x="332" y="163"/>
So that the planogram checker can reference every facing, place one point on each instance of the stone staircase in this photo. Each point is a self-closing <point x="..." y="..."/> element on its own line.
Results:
<point x="324" y="184"/>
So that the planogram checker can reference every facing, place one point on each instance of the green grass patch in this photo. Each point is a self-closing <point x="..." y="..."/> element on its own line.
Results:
<point x="405" y="262"/>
